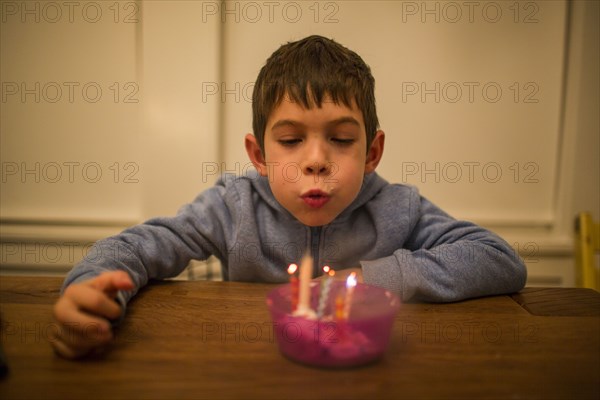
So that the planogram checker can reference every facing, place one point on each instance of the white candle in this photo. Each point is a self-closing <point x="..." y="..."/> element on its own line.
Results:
<point x="304" y="295"/>
<point x="350" y="284"/>
<point x="293" y="286"/>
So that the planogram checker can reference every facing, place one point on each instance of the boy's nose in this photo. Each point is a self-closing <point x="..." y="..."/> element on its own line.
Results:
<point x="317" y="160"/>
<point x="318" y="168"/>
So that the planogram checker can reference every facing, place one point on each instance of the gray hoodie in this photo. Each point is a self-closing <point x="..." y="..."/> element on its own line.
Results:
<point x="401" y="240"/>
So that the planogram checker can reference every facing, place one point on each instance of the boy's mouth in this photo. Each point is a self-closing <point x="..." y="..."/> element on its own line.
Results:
<point x="315" y="198"/>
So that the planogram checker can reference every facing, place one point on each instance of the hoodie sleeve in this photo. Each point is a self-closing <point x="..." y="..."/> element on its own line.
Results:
<point x="446" y="260"/>
<point x="162" y="247"/>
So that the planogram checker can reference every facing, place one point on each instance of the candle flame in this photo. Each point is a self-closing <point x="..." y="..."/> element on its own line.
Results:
<point x="292" y="269"/>
<point x="331" y="272"/>
<point x="351" y="281"/>
<point x="326" y="269"/>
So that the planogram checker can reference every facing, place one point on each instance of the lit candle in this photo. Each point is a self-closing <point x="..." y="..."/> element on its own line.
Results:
<point x="350" y="284"/>
<point x="304" y="295"/>
<point x="293" y="286"/>
<point x="325" y="287"/>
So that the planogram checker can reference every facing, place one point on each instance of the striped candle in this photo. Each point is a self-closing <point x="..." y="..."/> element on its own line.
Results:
<point x="325" y="289"/>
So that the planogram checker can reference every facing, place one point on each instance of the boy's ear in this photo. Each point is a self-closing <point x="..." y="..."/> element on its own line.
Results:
<point x="375" y="152"/>
<point x="255" y="154"/>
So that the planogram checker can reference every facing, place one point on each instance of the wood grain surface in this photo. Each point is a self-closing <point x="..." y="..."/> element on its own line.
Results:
<point x="215" y="340"/>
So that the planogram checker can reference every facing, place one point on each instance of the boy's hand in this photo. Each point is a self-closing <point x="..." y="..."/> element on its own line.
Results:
<point x="83" y="313"/>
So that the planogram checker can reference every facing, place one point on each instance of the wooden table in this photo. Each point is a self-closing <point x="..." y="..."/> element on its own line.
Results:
<point x="214" y="340"/>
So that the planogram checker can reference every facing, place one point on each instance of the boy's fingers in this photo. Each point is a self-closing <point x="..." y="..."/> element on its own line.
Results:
<point x="112" y="281"/>
<point x="83" y="313"/>
<point x="72" y="344"/>
<point x="94" y="301"/>
<point x="69" y="352"/>
<point x="78" y="332"/>
<point x="89" y="336"/>
<point x="68" y="314"/>
<point x="65" y="350"/>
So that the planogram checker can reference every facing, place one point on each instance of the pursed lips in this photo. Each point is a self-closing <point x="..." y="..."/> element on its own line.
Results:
<point x="315" y="198"/>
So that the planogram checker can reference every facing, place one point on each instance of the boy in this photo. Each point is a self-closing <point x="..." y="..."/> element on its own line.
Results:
<point x="316" y="146"/>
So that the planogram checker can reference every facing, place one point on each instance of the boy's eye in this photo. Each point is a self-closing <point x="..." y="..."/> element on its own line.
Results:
<point x="342" y="141"/>
<point x="289" y="142"/>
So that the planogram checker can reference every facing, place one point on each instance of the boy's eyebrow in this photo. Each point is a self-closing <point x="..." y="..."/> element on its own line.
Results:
<point x="286" y="122"/>
<point x="344" y="120"/>
<point x="337" y="121"/>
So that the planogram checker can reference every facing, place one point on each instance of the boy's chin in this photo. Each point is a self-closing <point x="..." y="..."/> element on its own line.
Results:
<point x="315" y="221"/>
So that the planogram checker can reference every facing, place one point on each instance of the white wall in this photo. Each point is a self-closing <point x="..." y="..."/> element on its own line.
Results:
<point x="521" y="162"/>
<point x="78" y="167"/>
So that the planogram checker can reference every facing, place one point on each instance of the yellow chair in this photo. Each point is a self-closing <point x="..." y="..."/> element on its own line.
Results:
<point x="587" y="245"/>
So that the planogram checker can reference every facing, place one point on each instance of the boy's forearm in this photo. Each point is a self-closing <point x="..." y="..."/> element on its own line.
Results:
<point x="148" y="251"/>
<point x="449" y="272"/>
<point x="445" y="259"/>
<point x="107" y="255"/>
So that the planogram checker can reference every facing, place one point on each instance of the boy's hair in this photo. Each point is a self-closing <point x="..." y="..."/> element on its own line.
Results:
<point x="307" y="70"/>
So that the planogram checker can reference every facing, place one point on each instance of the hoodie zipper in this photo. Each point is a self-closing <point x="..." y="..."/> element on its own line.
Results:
<point x="315" y="238"/>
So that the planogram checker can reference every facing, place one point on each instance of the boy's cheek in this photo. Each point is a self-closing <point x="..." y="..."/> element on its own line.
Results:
<point x="271" y="169"/>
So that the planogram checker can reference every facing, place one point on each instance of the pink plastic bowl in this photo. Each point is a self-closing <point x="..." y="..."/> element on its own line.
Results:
<point x="358" y="340"/>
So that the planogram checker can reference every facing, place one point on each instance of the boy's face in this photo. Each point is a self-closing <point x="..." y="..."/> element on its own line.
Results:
<point x="315" y="158"/>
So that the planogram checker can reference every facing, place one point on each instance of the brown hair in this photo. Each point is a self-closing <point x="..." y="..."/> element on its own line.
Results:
<point x="307" y="70"/>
